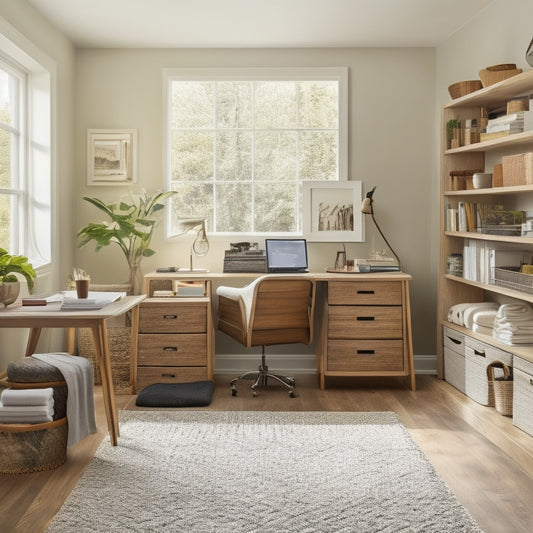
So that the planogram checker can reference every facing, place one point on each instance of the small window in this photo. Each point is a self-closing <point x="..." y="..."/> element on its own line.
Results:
<point x="240" y="143"/>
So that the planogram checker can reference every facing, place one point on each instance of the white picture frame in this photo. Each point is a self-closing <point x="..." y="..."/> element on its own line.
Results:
<point x="111" y="156"/>
<point x="332" y="211"/>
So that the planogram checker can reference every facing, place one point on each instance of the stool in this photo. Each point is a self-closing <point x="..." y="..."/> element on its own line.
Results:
<point x="26" y="448"/>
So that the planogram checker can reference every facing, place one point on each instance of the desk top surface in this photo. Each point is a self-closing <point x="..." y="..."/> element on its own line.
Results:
<point x="52" y="311"/>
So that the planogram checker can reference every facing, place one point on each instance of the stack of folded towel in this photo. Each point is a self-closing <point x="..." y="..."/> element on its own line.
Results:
<point x="463" y="314"/>
<point x="27" y="406"/>
<point x="514" y="324"/>
<point x="483" y="321"/>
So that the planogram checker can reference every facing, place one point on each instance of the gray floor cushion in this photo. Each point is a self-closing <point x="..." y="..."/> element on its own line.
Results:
<point x="196" y="394"/>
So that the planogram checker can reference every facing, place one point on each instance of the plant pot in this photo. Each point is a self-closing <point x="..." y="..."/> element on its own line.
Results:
<point x="9" y="292"/>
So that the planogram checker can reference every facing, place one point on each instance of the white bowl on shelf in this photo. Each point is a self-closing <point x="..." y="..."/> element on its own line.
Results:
<point x="482" y="180"/>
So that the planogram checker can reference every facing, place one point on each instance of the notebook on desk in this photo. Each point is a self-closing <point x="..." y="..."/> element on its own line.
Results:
<point x="286" y="255"/>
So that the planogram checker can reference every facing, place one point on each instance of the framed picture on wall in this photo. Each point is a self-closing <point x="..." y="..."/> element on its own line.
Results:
<point x="332" y="211"/>
<point x="111" y="157"/>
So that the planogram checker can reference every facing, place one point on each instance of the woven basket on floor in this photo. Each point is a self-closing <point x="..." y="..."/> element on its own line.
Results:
<point x="26" y="448"/>
<point x="503" y="388"/>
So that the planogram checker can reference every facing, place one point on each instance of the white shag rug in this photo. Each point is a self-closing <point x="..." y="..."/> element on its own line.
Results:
<point x="298" y="472"/>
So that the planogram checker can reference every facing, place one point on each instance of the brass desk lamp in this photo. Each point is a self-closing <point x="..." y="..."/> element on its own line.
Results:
<point x="200" y="245"/>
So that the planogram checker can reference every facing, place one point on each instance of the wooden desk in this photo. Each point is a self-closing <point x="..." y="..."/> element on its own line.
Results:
<point x="34" y="318"/>
<point x="363" y="325"/>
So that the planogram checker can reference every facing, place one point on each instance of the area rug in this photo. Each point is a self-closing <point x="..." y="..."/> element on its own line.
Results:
<point x="303" y="472"/>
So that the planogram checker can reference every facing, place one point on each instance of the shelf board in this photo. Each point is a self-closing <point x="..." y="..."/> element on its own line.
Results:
<point x="485" y="237"/>
<point x="525" y="351"/>
<point x="516" y="139"/>
<point x="492" y="190"/>
<point x="524" y="296"/>
<point x="497" y="94"/>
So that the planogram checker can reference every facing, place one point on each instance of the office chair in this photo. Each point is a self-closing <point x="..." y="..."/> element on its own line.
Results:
<point x="275" y="309"/>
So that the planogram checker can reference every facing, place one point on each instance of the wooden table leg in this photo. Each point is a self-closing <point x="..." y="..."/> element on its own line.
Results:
<point x="104" y="364"/>
<point x="33" y="339"/>
<point x="71" y="340"/>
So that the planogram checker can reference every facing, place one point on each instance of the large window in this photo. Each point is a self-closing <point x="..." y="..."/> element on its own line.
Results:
<point x="25" y="158"/>
<point x="240" y="143"/>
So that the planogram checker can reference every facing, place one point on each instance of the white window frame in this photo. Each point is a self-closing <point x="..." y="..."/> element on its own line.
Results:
<point x="36" y="225"/>
<point x="339" y="74"/>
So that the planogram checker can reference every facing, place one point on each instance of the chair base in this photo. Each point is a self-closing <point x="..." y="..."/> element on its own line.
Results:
<point x="262" y="376"/>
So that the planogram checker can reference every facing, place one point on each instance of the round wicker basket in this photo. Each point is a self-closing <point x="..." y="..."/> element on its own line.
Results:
<point x="461" y="88"/>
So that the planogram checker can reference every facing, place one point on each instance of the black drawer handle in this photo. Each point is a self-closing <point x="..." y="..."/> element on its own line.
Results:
<point x="168" y="375"/>
<point x="366" y="352"/>
<point x="365" y="318"/>
<point x="455" y="341"/>
<point x="170" y="317"/>
<point x="170" y="349"/>
<point x="365" y="292"/>
<point x="481" y="354"/>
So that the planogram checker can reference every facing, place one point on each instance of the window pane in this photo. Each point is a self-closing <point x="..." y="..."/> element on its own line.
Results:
<point x="5" y="217"/>
<point x="234" y="104"/>
<point x="234" y="207"/>
<point x="318" y="155"/>
<point x="193" y="200"/>
<point x="192" y="104"/>
<point x="318" y="104"/>
<point x="275" y="104"/>
<point x="5" y="159"/>
<point x="234" y="156"/>
<point x="275" y="207"/>
<point x="275" y="156"/>
<point x="7" y="98"/>
<point x="192" y="156"/>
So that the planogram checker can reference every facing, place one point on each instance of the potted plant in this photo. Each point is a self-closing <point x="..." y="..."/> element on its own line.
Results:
<point x="10" y="266"/>
<point x="131" y="227"/>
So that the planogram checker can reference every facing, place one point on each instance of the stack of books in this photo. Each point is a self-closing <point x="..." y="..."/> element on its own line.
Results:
<point x="95" y="300"/>
<point x="507" y="125"/>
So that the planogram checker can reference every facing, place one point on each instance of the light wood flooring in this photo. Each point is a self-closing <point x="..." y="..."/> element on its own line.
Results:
<point x="483" y="458"/>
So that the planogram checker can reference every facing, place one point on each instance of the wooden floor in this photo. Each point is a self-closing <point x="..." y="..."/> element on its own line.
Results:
<point x="483" y="458"/>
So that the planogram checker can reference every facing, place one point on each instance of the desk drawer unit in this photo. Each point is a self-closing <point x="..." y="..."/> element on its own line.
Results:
<point x="366" y="325"/>
<point x="173" y="343"/>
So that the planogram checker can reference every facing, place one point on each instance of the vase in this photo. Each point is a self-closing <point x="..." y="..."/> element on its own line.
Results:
<point x="135" y="280"/>
<point x="9" y="292"/>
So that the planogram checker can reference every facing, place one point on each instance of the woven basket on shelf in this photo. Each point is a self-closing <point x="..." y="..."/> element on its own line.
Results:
<point x="496" y="73"/>
<point x="26" y="448"/>
<point x="502" y="388"/>
<point x="461" y="88"/>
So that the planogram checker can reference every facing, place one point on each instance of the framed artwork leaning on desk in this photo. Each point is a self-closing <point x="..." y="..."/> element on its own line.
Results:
<point x="331" y="211"/>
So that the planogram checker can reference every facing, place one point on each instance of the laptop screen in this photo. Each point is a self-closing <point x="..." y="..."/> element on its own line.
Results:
<point x="286" y="255"/>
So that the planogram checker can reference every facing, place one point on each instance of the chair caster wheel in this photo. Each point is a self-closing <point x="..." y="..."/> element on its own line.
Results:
<point x="254" y="393"/>
<point x="233" y="392"/>
<point x="292" y="394"/>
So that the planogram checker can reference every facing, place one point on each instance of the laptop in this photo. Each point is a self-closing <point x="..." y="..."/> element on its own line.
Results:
<point x="286" y="255"/>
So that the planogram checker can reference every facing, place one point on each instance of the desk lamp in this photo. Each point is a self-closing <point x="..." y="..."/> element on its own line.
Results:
<point x="367" y="208"/>
<point x="200" y="245"/>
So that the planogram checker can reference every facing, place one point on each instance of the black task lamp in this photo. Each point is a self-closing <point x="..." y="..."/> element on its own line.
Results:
<point x="367" y="208"/>
<point x="200" y="245"/>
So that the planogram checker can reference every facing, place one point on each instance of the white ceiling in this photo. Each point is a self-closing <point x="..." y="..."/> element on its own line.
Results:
<point x="257" y="23"/>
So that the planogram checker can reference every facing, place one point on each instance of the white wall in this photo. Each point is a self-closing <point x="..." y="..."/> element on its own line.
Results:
<point x="391" y="127"/>
<point x="31" y="33"/>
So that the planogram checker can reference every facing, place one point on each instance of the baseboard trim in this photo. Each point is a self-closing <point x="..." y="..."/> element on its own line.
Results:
<point x="303" y="363"/>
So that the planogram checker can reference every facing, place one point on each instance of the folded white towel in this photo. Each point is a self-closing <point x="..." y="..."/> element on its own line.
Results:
<point x="469" y="312"/>
<point x="78" y="374"/>
<point x="29" y="418"/>
<point x="26" y="414"/>
<point x="27" y="396"/>
<point x="484" y="318"/>
<point x="482" y="329"/>
<point x="456" y="312"/>
<point x="515" y="312"/>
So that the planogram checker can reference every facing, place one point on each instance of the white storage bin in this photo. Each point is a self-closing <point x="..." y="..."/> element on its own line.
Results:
<point x="477" y="356"/>
<point x="454" y="358"/>
<point x="523" y="394"/>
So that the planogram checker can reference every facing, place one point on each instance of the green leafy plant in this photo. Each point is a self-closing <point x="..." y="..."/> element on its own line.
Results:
<point x="131" y="225"/>
<point x="10" y="265"/>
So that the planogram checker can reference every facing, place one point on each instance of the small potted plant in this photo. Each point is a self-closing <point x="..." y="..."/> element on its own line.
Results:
<point x="131" y="225"/>
<point x="10" y="266"/>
